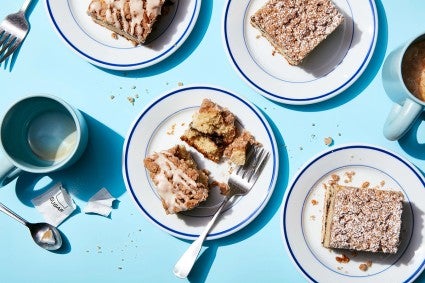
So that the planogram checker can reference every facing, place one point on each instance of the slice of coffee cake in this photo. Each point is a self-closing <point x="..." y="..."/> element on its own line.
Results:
<point x="296" y="27"/>
<point x="132" y="19"/>
<point x="212" y="129"/>
<point x="180" y="184"/>
<point x="362" y="219"/>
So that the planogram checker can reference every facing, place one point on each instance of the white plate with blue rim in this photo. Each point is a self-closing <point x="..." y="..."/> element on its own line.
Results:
<point x="329" y="70"/>
<point x="355" y="164"/>
<point x="159" y="127"/>
<point x="96" y="44"/>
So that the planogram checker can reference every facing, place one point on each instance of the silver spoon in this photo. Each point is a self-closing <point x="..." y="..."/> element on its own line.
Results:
<point x="45" y="235"/>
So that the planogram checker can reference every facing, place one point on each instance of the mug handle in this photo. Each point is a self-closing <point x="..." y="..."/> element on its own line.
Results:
<point x="401" y="118"/>
<point x="8" y="171"/>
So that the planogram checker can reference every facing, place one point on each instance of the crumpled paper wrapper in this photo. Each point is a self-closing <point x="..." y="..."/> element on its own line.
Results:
<point x="101" y="203"/>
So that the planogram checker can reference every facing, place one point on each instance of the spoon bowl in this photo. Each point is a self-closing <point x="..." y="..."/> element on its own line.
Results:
<point x="45" y="235"/>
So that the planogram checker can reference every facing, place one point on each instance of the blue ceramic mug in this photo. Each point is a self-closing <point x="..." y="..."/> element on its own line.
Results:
<point x="407" y="107"/>
<point x="40" y="134"/>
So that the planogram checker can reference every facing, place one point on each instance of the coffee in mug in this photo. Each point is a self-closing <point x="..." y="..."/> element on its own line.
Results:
<point x="413" y="69"/>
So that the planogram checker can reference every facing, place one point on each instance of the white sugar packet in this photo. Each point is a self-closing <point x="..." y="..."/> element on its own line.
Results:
<point x="100" y="203"/>
<point x="55" y="205"/>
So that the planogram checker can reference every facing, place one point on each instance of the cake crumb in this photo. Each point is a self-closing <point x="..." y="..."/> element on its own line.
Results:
<point x="349" y="176"/>
<point x="224" y="188"/>
<point x="313" y="217"/>
<point x="365" y="266"/>
<point x="335" y="177"/>
<point x="365" y="184"/>
<point x="333" y="180"/>
<point x="382" y="183"/>
<point x="314" y="202"/>
<point x="328" y="141"/>
<point x="180" y="84"/>
<point x="170" y="131"/>
<point x="342" y="259"/>
<point x="114" y="35"/>
<point x="131" y="99"/>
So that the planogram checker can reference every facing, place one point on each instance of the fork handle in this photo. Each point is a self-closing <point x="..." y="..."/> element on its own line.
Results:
<point x="187" y="260"/>
<point x="25" y="6"/>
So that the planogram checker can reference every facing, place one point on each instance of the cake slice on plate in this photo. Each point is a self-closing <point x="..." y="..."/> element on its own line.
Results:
<point x="296" y="27"/>
<point x="133" y="19"/>
<point x="212" y="129"/>
<point x="179" y="183"/>
<point x="362" y="219"/>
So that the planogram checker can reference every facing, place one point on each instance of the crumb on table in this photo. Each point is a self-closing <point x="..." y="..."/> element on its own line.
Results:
<point x="328" y="141"/>
<point x="131" y="100"/>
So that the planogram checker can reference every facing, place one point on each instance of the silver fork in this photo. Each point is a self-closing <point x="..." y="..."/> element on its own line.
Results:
<point x="240" y="183"/>
<point x="13" y="30"/>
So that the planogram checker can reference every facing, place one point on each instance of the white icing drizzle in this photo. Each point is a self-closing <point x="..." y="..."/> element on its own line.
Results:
<point x="115" y="14"/>
<point x="164" y="186"/>
<point x="153" y="7"/>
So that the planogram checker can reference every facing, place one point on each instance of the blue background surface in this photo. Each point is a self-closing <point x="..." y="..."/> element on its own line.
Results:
<point x="128" y="248"/>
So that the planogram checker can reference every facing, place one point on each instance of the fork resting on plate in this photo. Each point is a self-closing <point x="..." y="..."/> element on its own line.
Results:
<point x="240" y="182"/>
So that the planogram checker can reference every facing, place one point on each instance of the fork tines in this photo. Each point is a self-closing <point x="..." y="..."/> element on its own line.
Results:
<point x="254" y="164"/>
<point x="9" y="43"/>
